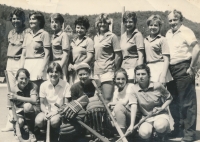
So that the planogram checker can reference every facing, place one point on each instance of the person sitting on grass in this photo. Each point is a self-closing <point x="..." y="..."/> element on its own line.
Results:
<point x="26" y="100"/>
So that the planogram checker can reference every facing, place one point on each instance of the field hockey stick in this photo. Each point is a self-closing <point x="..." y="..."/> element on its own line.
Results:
<point x="16" y="123"/>
<point x="48" y="126"/>
<point x="109" y="112"/>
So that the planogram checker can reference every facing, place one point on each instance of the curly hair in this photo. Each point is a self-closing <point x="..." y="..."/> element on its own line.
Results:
<point x="40" y="17"/>
<point x="102" y="18"/>
<point x="128" y="15"/>
<point x="82" y="21"/>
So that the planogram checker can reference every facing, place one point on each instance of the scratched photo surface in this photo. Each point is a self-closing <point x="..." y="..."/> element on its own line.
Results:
<point x="72" y="9"/>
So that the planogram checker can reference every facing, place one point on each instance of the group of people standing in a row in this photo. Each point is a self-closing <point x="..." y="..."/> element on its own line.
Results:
<point x="169" y="61"/>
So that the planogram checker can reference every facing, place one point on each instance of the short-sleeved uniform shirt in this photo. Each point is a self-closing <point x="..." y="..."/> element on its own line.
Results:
<point x="147" y="99"/>
<point x="79" y="89"/>
<point x="105" y="49"/>
<point x="179" y="44"/>
<point x="30" y="89"/>
<point x="60" y="43"/>
<point x="35" y="44"/>
<point x="80" y="50"/>
<point x="130" y="47"/>
<point x="155" y="48"/>
<point x="54" y="94"/>
<point x="15" y="40"/>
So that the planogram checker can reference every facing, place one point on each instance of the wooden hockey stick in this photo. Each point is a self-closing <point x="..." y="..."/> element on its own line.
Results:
<point x="109" y="112"/>
<point x="48" y="126"/>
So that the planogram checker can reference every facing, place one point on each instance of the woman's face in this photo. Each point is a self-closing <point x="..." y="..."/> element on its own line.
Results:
<point x="34" y="23"/>
<point x="54" y="76"/>
<point x="22" y="80"/>
<point x="130" y="25"/>
<point x="16" y="22"/>
<point x="120" y="80"/>
<point x="154" y="28"/>
<point x="103" y="27"/>
<point x="81" y="30"/>
<point x="55" y="25"/>
<point x="142" y="76"/>
<point x="83" y="75"/>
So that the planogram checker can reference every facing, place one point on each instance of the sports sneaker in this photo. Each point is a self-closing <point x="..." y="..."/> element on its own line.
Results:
<point x="32" y="138"/>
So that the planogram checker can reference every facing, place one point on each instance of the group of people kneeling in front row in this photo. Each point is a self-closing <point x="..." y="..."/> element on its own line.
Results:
<point x="170" y="60"/>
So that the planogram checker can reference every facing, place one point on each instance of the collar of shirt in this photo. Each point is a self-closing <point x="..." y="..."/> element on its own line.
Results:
<point x="74" y="40"/>
<point x="133" y="33"/>
<point x="179" y="30"/>
<point x="151" y="86"/>
<point x="152" y="39"/>
<point x="108" y="33"/>
<point x="60" y="83"/>
<point x="58" y="34"/>
<point x="20" y="31"/>
<point x="38" y="32"/>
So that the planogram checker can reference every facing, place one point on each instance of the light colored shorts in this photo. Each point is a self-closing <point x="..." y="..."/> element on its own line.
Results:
<point x="33" y="66"/>
<point x="130" y="73"/>
<point x="156" y="70"/>
<point x="108" y="76"/>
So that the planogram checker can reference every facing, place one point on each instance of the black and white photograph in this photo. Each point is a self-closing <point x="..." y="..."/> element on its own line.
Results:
<point x="100" y="70"/>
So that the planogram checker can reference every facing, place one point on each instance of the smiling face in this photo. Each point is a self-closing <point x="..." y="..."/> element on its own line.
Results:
<point x="103" y="26"/>
<point x="34" y="23"/>
<point x="83" y="75"/>
<point x="174" y="22"/>
<point x="54" y="76"/>
<point x="154" y="28"/>
<point x="55" y="25"/>
<point x="22" y="80"/>
<point x="16" y="22"/>
<point x="120" y="80"/>
<point x="130" y="25"/>
<point x="81" y="30"/>
<point x="142" y="76"/>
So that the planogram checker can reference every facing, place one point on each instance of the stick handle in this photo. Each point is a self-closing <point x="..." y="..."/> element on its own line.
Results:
<point x="17" y="127"/>
<point x="48" y="127"/>
<point x="109" y="112"/>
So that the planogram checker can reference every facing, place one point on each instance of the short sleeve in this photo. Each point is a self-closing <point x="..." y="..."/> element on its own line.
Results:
<point x="67" y="92"/>
<point x="115" y="95"/>
<point x="46" y="39"/>
<point x="65" y="42"/>
<point x="115" y="43"/>
<point x="9" y="35"/>
<point x="132" y="99"/>
<point x="24" y="42"/>
<point x="90" y="45"/>
<point x="165" y="47"/>
<point x="42" y="91"/>
<point x="34" y="90"/>
<point x="139" y="40"/>
<point x="189" y="36"/>
<point x="164" y="92"/>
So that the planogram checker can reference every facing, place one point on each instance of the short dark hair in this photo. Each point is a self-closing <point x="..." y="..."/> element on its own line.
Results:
<point x="19" y="13"/>
<point x="82" y="20"/>
<point x="40" y="17"/>
<point x="123" y="71"/>
<point x="54" y="65"/>
<point x="141" y="67"/>
<point x="57" y="16"/>
<point x="129" y="14"/>
<point x="25" y="71"/>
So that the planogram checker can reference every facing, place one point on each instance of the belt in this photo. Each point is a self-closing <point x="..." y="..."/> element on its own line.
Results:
<point x="155" y="61"/>
<point x="129" y="57"/>
<point x="15" y="57"/>
<point x="186" y="61"/>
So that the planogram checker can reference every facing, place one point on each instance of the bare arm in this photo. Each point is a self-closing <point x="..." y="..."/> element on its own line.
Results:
<point x="140" y="57"/>
<point x="89" y="58"/>
<point x="64" y="59"/>
<point x="22" y="61"/>
<point x="32" y="99"/>
<point x="165" y="69"/>
<point x="43" y="101"/>
<point x="118" y="59"/>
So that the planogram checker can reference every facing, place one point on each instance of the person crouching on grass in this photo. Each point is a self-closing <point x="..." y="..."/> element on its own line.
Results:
<point x="150" y="97"/>
<point x="26" y="99"/>
<point x="51" y="91"/>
